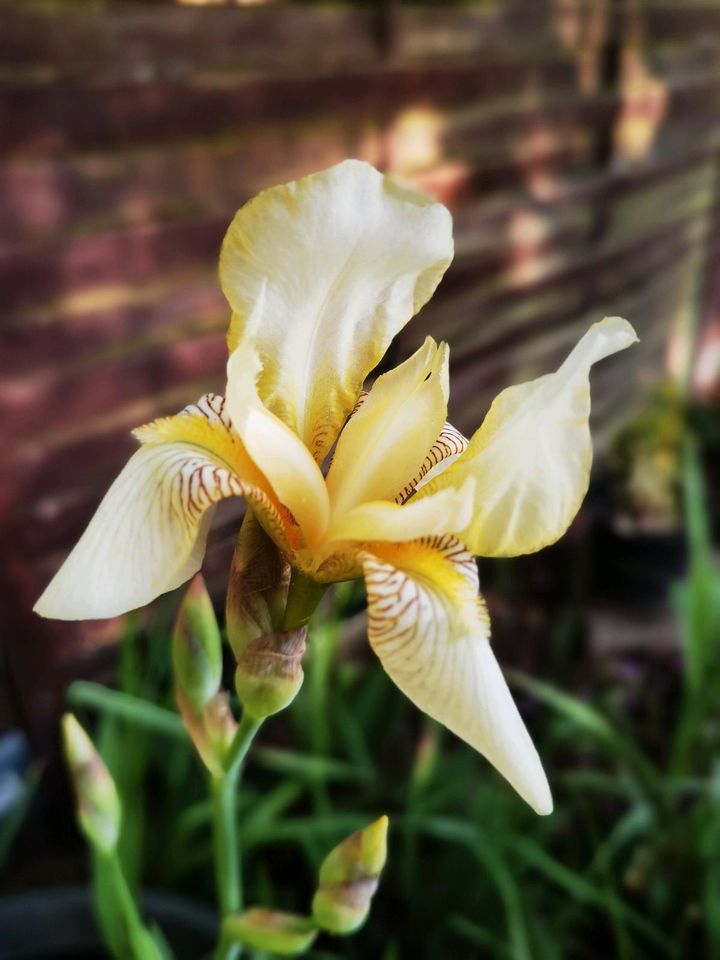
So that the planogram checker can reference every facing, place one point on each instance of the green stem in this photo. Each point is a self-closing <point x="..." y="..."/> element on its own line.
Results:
<point x="226" y="846"/>
<point x="303" y="597"/>
<point x="139" y="940"/>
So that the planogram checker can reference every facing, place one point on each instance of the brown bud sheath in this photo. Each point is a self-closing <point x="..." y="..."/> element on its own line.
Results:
<point x="269" y="671"/>
<point x="211" y="729"/>
<point x="257" y="588"/>
<point x="286" y="934"/>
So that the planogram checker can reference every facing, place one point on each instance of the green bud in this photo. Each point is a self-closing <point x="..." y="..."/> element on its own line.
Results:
<point x="197" y="646"/>
<point x="284" y="933"/>
<point x="269" y="672"/>
<point x="211" y="729"/>
<point x="349" y="877"/>
<point x="98" y="804"/>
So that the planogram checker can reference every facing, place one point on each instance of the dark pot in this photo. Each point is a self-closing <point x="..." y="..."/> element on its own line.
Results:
<point x="59" y="925"/>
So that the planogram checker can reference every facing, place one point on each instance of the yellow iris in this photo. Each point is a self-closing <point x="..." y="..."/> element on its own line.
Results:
<point x="320" y="275"/>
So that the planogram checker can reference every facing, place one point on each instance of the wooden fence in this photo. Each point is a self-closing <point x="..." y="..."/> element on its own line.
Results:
<point x="576" y="142"/>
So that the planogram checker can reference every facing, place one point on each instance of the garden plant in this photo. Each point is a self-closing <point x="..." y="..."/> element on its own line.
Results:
<point x="341" y="484"/>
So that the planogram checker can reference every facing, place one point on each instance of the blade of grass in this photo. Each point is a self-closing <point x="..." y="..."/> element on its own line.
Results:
<point x="481" y="845"/>
<point x="586" y="718"/>
<point x="83" y="693"/>
<point x="478" y="936"/>
<point x="586" y="892"/>
<point x="299" y="829"/>
<point x="273" y="805"/>
<point x="308" y="767"/>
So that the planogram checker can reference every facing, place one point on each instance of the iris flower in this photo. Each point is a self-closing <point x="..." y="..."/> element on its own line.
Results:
<point x="320" y="275"/>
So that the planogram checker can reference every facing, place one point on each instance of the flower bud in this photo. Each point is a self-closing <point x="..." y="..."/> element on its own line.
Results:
<point x="284" y="933"/>
<point x="211" y="729"/>
<point x="98" y="804"/>
<point x="257" y="587"/>
<point x="197" y="646"/>
<point x="348" y="879"/>
<point x="269" y="672"/>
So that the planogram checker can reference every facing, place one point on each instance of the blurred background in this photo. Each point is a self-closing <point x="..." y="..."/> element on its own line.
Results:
<point x="577" y="143"/>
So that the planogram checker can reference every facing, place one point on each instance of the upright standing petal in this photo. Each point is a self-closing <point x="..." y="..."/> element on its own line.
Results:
<point x="148" y="534"/>
<point x="427" y="624"/>
<point x="385" y="440"/>
<point x="278" y="452"/>
<point x="441" y="455"/>
<point x="531" y="457"/>
<point x="321" y="274"/>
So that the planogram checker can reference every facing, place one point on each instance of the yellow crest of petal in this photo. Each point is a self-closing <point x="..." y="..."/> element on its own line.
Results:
<point x="428" y="626"/>
<point x="442" y="564"/>
<point x="207" y="426"/>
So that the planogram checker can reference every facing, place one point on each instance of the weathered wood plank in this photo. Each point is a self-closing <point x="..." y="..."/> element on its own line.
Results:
<point x="54" y="118"/>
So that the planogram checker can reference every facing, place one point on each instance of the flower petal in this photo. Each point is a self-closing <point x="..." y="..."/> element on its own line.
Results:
<point x="278" y="452"/>
<point x="446" y="512"/>
<point x="532" y="455"/>
<point x="430" y="629"/>
<point x="321" y="274"/>
<point x="384" y="441"/>
<point x="207" y="426"/>
<point x="148" y="535"/>
<point x="442" y="454"/>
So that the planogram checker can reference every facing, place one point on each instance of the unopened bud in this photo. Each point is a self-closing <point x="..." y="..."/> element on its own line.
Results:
<point x="257" y="587"/>
<point x="284" y="933"/>
<point x="98" y="804"/>
<point x="197" y="646"/>
<point x="349" y="877"/>
<point x="211" y="729"/>
<point x="269" y="672"/>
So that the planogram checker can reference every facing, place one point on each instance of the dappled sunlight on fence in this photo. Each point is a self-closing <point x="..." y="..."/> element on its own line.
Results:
<point x="576" y="144"/>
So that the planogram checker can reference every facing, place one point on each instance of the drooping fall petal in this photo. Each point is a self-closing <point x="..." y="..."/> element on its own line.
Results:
<point x="384" y="442"/>
<point x="321" y="274"/>
<point x="148" y="534"/>
<point x="428" y="626"/>
<point x="531" y="457"/>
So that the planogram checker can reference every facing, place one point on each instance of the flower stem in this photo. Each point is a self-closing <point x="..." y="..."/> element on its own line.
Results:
<point x="225" y="839"/>
<point x="139" y="940"/>
<point x="303" y="596"/>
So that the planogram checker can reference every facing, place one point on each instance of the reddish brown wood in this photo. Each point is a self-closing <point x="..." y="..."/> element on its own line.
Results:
<point x="131" y="135"/>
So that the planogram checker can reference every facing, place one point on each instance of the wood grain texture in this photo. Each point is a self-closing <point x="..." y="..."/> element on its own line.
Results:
<point x="579" y="156"/>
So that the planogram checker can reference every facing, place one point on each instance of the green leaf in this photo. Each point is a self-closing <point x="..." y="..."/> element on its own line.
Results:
<point x="299" y="829"/>
<point x="503" y="878"/>
<point x="479" y="936"/>
<point x="306" y="766"/>
<point x="589" y="720"/>
<point x="581" y="889"/>
<point x="83" y="693"/>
